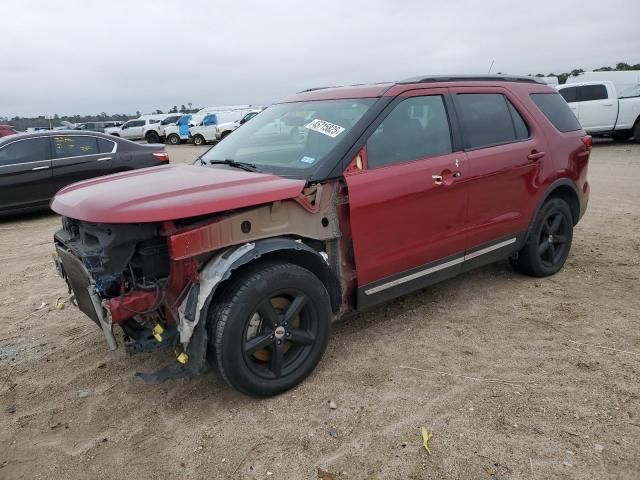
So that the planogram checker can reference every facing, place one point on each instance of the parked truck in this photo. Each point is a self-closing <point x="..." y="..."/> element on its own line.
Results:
<point x="215" y="126"/>
<point x="155" y="132"/>
<point x="606" y="103"/>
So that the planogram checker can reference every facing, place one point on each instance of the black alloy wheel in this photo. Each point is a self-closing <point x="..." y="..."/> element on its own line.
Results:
<point x="553" y="238"/>
<point x="270" y="329"/>
<point x="549" y="240"/>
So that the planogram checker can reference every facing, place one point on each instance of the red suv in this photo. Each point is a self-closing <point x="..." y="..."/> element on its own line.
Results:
<point x="6" y="130"/>
<point x="330" y="202"/>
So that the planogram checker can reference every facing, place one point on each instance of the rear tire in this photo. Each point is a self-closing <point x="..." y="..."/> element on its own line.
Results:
<point x="198" y="140"/>
<point x="636" y="132"/>
<point x="152" y="137"/>
<point x="271" y="328"/>
<point x="173" y="139"/>
<point x="549" y="241"/>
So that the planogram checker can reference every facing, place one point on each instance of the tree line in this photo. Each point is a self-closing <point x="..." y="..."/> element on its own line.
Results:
<point x="562" y="77"/>
<point x="22" y="123"/>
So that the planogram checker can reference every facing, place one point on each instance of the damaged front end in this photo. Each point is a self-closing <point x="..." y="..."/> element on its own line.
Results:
<point x="121" y="275"/>
<point x="157" y="280"/>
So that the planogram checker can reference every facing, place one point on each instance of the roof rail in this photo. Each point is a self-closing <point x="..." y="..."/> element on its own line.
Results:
<point x="313" y="89"/>
<point x="469" y="78"/>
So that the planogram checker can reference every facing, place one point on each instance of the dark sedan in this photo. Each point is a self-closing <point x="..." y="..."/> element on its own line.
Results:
<point x="34" y="166"/>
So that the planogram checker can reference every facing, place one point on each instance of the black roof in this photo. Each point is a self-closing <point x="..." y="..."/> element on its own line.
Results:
<point x="470" y="78"/>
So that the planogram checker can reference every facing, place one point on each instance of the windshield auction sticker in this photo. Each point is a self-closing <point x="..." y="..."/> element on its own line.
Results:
<point x="326" y="128"/>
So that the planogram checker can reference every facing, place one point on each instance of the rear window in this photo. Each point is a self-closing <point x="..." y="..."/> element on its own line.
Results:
<point x="587" y="93"/>
<point x="557" y="111"/>
<point x="105" y="146"/>
<point x="489" y="119"/>
<point x="569" y="94"/>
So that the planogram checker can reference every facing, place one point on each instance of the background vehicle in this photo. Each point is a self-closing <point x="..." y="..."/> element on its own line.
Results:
<point x="7" y="130"/>
<point x="605" y="103"/>
<point x="224" y="129"/>
<point x="217" y="125"/>
<point x="224" y="108"/>
<point x="178" y="132"/>
<point x="155" y="132"/>
<point x="131" y="129"/>
<point x="33" y="167"/>
<point x="98" y="126"/>
<point x="373" y="191"/>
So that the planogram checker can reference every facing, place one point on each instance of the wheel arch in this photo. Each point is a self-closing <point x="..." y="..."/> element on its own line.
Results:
<point x="566" y="190"/>
<point x="284" y="249"/>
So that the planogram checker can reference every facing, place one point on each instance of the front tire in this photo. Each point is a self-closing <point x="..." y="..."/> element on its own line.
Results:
<point x="198" y="140"/>
<point x="636" y="132"/>
<point x="173" y="139"/>
<point x="271" y="328"/>
<point x="549" y="241"/>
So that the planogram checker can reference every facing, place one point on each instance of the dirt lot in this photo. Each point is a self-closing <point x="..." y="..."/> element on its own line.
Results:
<point x="556" y="409"/>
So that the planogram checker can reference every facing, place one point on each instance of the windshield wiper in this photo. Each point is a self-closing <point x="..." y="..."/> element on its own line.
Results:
<point x="248" y="167"/>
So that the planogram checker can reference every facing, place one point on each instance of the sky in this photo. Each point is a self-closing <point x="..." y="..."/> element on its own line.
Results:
<point x="86" y="57"/>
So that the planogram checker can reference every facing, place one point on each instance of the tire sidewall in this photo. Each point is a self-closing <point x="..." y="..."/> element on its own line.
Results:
<point x="230" y="331"/>
<point x="174" y="139"/>
<point x="552" y="205"/>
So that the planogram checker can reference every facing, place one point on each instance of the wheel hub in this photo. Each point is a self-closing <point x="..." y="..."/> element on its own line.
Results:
<point x="279" y="332"/>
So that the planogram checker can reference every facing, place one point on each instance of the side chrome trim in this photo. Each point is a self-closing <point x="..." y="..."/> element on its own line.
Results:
<point x="442" y="266"/>
<point x="413" y="276"/>
<point x="490" y="249"/>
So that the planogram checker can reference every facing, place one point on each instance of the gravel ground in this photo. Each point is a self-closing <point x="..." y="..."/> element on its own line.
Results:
<point x="555" y="407"/>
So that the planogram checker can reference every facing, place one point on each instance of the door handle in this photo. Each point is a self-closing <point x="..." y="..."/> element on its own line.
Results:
<point x="535" y="155"/>
<point x="104" y="159"/>
<point x="40" y="168"/>
<point x="437" y="179"/>
<point x="608" y="105"/>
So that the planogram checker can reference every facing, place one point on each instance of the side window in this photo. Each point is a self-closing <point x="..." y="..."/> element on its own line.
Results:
<point x="522" y="131"/>
<point x="587" y="93"/>
<point x="25" y="151"/>
<point x="557" y="111"/>
<point x="417" y="127"/>
<point x="89" y="126"/>
<point x="105" y="146"/>
<point x="74" y="146"/>
<point x="569" y="94"/>
<point x="488" y="119"/>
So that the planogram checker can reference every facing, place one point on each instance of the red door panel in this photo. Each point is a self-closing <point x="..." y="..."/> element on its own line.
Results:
<point x="401" y="218"/>
<point x="503" y="181"/>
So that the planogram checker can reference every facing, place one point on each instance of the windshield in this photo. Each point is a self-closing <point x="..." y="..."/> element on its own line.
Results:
<point x="291" y="137"/>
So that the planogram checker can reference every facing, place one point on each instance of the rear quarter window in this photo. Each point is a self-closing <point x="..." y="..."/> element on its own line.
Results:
<point x="489" y="119"/>
<point x="554" y="107"/>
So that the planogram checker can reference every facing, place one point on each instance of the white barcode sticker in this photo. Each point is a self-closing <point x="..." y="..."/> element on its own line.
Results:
<point x="326" y="128"/>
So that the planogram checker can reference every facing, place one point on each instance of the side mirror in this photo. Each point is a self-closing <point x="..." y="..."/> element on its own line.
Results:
<point x="242" y="121"/>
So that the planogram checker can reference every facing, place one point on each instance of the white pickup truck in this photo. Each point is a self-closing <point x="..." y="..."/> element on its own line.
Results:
<point x="155" y="132"/>
<point x="217" y="125"/>
<point x="605" y="107"/>
<point x="132" y="129"/>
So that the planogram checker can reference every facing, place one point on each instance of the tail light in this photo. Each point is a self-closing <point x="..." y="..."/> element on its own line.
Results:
<point x="588" y="141"/>
<point x="162" y="156"/>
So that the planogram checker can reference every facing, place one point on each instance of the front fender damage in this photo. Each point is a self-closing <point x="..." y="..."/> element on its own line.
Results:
<point x="192" y="330"/>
